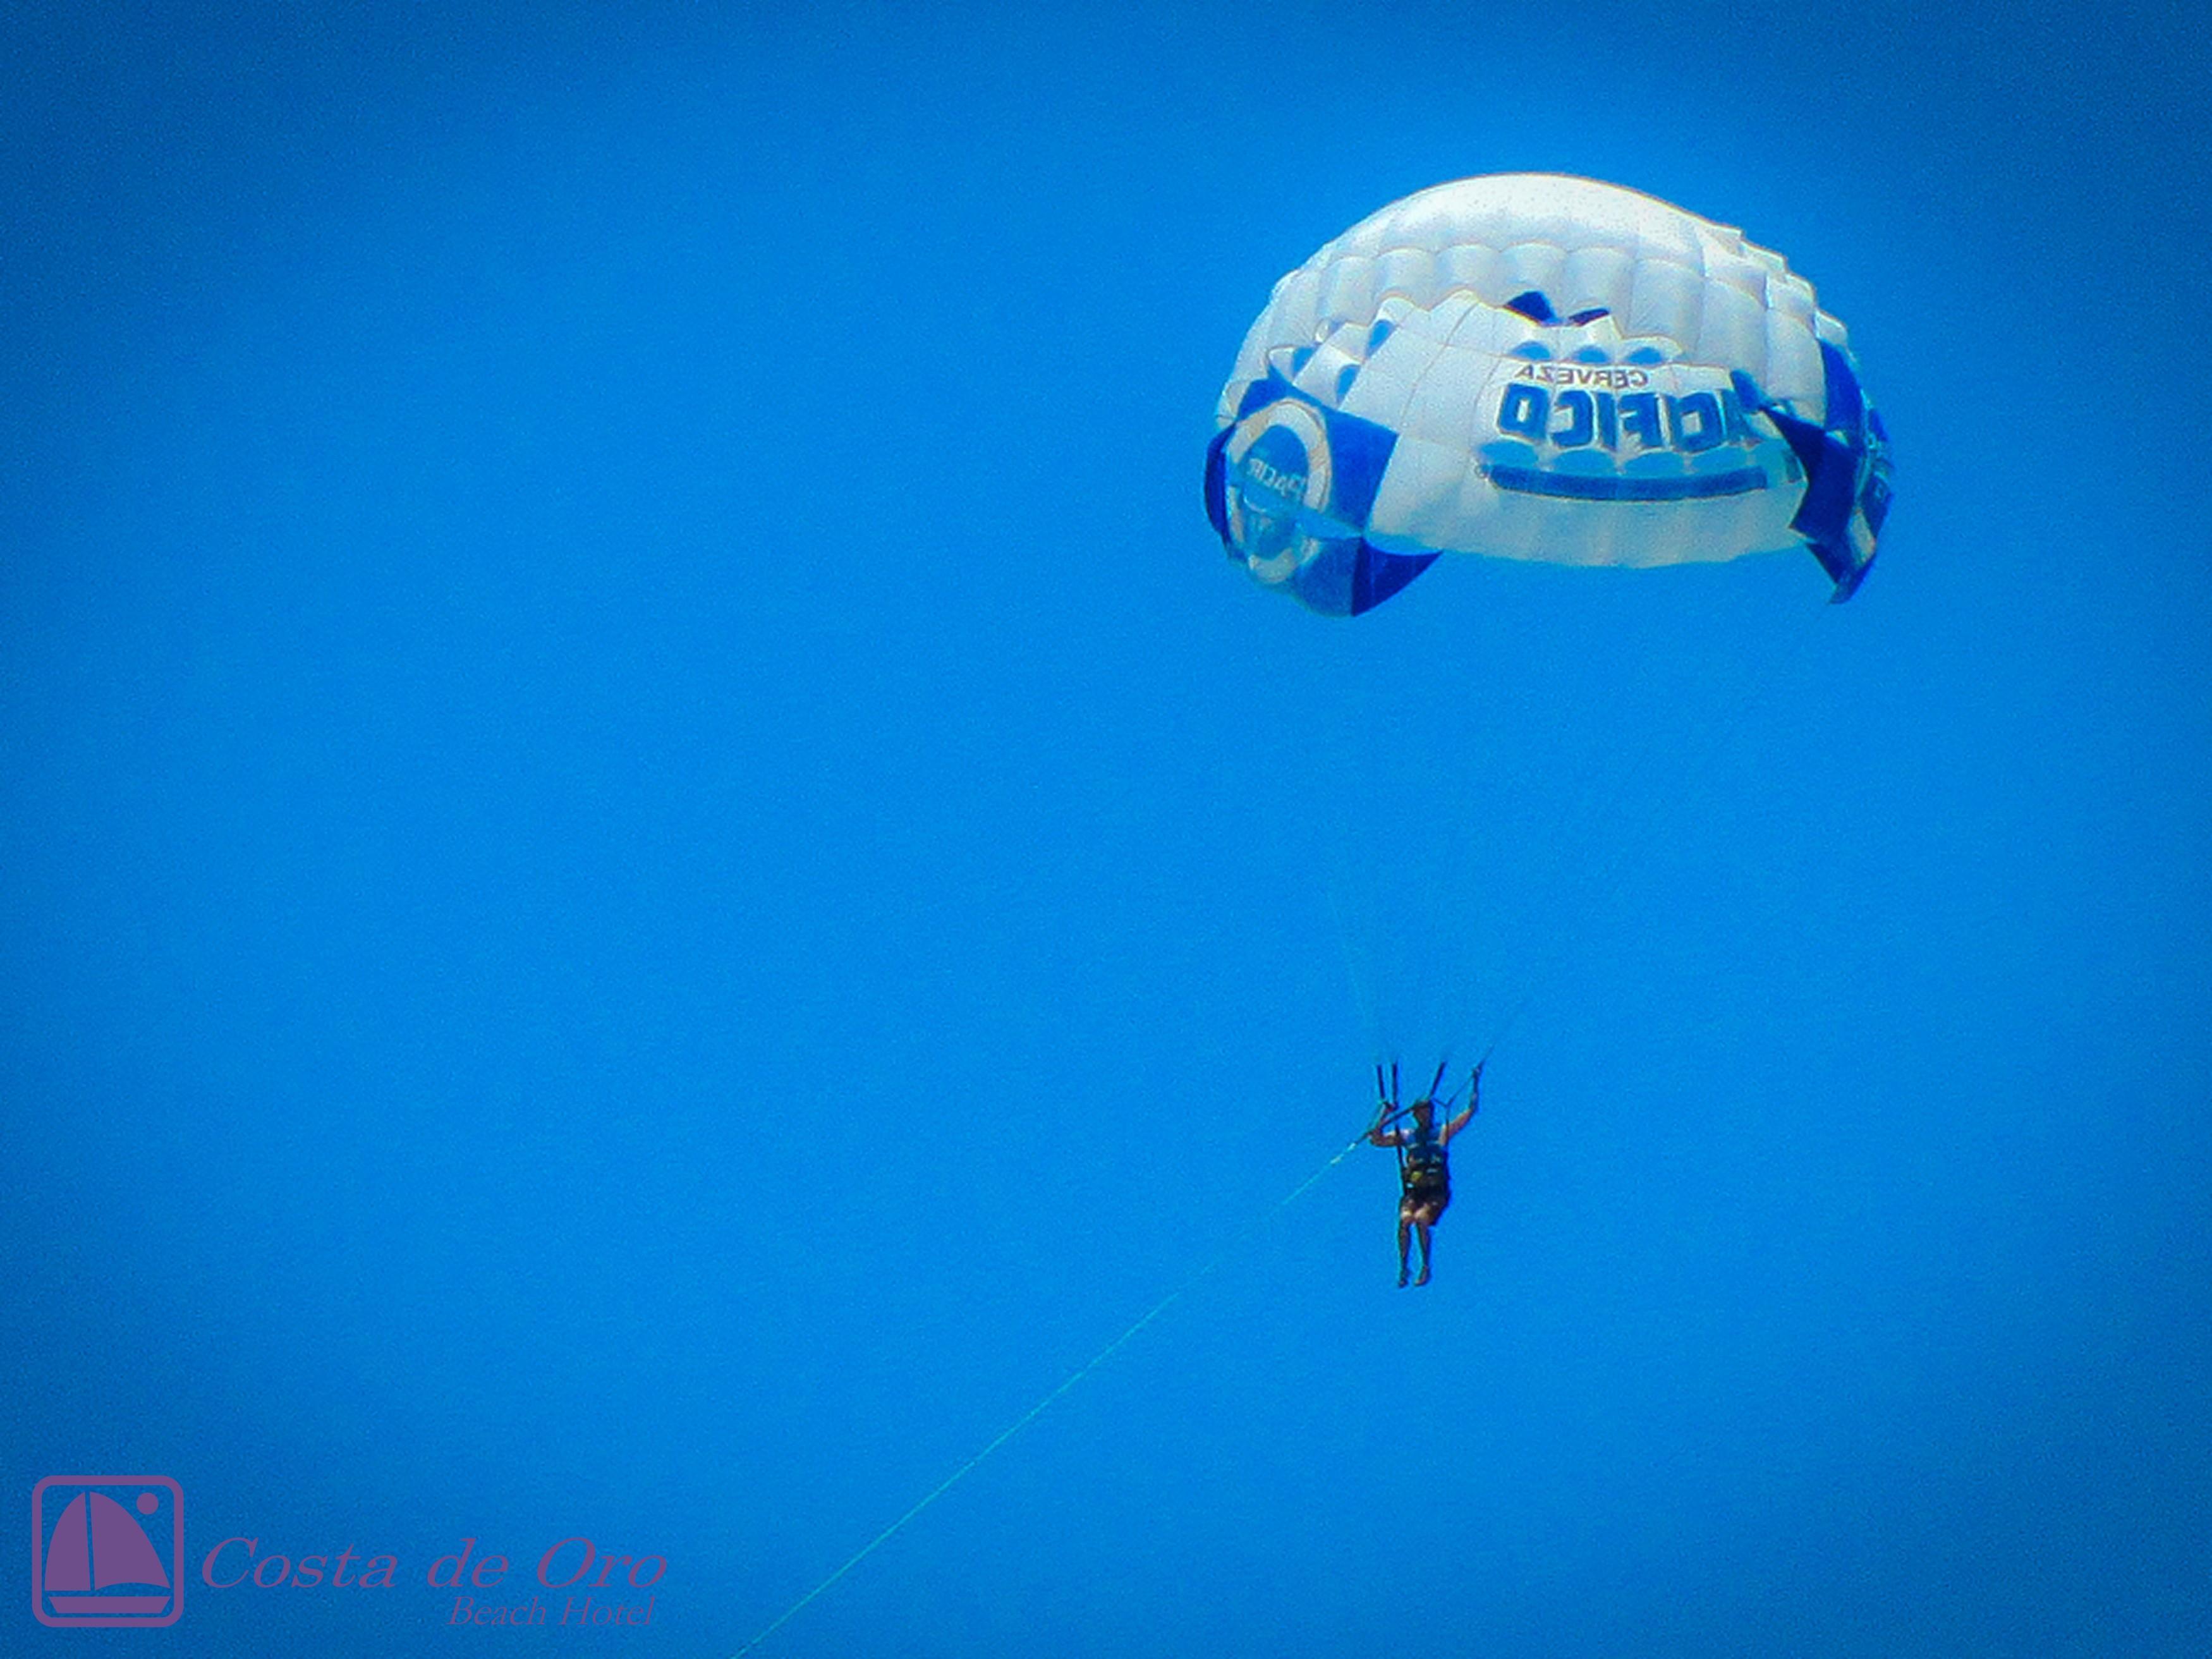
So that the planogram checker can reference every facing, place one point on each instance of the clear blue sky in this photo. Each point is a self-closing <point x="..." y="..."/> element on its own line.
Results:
<point x="651" y="869"/>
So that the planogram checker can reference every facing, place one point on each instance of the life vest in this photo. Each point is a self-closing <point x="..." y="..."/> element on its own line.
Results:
<point x="1424" y="1163"/>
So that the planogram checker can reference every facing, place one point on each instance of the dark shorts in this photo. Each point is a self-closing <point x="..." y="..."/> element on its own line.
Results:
<point x="1429" y="1194"/>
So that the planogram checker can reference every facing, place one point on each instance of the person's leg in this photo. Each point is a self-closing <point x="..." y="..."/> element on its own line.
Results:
<point x="1405" y="1243"/>
<point x="1428" y="1235"/>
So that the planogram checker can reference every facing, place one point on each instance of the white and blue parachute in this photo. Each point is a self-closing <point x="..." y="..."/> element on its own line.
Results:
<point x="1529" y="365"/>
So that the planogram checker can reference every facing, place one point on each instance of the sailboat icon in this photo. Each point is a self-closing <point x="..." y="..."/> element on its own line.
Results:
<point x="98" y="1566"/>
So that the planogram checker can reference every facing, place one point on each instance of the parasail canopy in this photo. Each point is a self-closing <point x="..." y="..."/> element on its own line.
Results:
<point x="1529" y="366"/>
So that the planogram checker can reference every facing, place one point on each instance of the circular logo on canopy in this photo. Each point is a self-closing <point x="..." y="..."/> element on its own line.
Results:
<point x="1279" y="475"/>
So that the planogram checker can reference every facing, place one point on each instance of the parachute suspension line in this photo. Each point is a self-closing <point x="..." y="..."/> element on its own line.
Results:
<point x="1466" y="1006"/>
<point x="1236" y="1242"/>
<point x="1587" y="805"/>
<point x="1362" y="993"/>
<point x="1603" y="872"/>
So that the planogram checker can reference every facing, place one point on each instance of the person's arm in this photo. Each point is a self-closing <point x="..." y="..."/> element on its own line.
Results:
<point x="1473" y="1105"/>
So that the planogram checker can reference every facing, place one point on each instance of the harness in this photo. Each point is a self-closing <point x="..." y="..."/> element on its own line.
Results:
<point x="1424" y="1166"/>
<point x="1422" y="1163"/>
